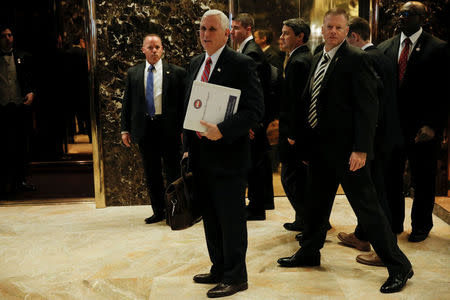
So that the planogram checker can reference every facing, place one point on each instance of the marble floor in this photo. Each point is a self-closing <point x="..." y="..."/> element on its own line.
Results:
<point x="76" y="251"/>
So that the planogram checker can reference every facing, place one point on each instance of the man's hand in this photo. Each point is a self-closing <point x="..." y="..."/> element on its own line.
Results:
<point x="185" y="154"/>
<point x="251" y="134"/>
<point x="126" y="139"/>
<point x="357" y="160"/>
<point x="29" y="99"/>
<point x="424" y="134"/>
<point x="291" y="141"/>
<point x="212" y="131"/>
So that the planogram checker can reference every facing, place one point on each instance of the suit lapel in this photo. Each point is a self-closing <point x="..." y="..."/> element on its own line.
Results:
<point x="165" y="83"/>
<point x="315" y="62"/>
<point x="220" y="65"/>
<point x="196" y="66"/>
<point x="140" y="82"/>
<point x="332" y="65"/>
<point x="417" y="48"/>
<point x="392" y="51"/>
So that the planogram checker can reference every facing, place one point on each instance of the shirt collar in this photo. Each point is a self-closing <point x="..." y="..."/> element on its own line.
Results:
<point x="265" y="48"/>
<point x="290" y="53"/>
<point x="157" y="66"/>
<point x="333" y="51"/>
<point x="366" y="46"/>
<point x="242" y="45"/>
<point x="216" y="55"/>
<point x="414" y="37"/>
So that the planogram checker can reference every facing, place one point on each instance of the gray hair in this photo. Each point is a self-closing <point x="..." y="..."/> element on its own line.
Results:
<point x="223" y="18"/>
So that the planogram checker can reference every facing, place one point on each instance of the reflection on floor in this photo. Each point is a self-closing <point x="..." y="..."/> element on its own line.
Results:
<point x="81" y="145"/>
<point x="75" y="251"/>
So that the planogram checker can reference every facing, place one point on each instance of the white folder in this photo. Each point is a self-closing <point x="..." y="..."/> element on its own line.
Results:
<point x="210" y="102"/>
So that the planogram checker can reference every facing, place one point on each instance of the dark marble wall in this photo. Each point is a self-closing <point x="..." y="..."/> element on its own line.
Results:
<point x="121" y="26"/>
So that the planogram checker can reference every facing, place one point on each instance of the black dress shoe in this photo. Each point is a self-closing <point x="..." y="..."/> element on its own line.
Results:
<point x="25" y="187"/>
<point x="300" y="260"/>
<point x="418" y="235"/>
<point x="293" y="226"/>
<point x="223" y="290"/>
<point x="299" y="236"/>
<point x="207" y="278"/>
<point x="155" y="218"/>
<point x="396" y="282"/>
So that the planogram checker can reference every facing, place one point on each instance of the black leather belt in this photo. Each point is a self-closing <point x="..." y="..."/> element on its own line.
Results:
<point x="154" y="118"/>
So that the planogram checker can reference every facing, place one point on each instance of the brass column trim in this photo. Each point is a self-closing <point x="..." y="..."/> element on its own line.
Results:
<point x="97" y="140"/>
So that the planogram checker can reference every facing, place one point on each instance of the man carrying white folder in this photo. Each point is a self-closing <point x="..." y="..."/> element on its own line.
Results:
<point x="220" y="156"/>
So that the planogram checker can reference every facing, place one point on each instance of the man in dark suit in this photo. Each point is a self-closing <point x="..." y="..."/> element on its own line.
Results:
<point x="294" y="36"/>
<point x="275" y="58"/>
<point x="336" y="128"/>
<point x="152" y="117"/>
<point x="260" y="182"/>
<point x="422" y="84"/>
<point x="16" y="96"/>
<point x="264" y="39"/>
<point x="220" y="156"/>
<point x="387" y="134"/>
<point x="77" y="81"/>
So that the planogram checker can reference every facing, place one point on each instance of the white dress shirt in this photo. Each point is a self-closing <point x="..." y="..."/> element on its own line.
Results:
<point x="242" y="45"/>
<point x="214" y="59"/>
<point x="331" y="54"/>
<point x="414" y="38"/>
<point x="157" y="84"/>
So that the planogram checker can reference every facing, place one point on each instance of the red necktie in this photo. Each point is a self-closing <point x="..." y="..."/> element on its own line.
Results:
<point x="403" y="61"/>
<point x="207" y="70"/>
<point x="205" y="78"/>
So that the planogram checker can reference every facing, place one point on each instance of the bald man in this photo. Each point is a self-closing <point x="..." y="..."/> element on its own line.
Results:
<point x="422" y="81"/>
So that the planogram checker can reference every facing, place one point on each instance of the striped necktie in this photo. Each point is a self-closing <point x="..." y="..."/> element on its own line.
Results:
<point x="205" y="78"/>
<point x="403" y="61"/>
<point x="312" y="112"/>
<point x="207" y="70"/>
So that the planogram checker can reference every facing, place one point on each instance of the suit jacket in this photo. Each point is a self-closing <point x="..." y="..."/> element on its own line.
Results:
<point x="296" y="76"/>
<point x="231" y="154"/>
<point x="134" y="104"/>
<point x="264" y="72"/>
<point x="422" y="96"/>
<point x="253" y="50"/>
<point x="347" y="108"/>
<point x="388" y="134"/>
<point x="24" y="72"/>
<point x="274" y="58"/>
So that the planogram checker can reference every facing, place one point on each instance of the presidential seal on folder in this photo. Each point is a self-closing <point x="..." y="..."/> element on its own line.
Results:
<point x="211" y="103"/>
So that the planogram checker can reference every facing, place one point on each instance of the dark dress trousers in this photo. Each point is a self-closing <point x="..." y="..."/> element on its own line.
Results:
<point x="221" y="167"/>
<point x="260" y="182"/>
<point x="158" y="137"/>
<point x="15" y="121"/>
<point x="388" y="133"/>
<point x="293" y="171"/>
<point x="422" y="100"/>
<point x="347" y="109"/>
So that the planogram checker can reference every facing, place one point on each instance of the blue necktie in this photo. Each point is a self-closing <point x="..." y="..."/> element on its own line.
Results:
<point x="149" y="92"/>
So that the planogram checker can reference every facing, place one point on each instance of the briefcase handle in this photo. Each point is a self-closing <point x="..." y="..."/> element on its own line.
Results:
<point x="184" y="167"/>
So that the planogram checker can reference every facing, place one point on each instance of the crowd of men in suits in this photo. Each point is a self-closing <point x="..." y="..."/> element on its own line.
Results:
<point x="350" y="115"/>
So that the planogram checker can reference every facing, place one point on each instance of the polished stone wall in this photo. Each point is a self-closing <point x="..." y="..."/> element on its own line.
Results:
<point x="121" y="26"/>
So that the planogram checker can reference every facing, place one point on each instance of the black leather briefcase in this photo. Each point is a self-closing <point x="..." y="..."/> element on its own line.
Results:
<point x="181" y="209"/>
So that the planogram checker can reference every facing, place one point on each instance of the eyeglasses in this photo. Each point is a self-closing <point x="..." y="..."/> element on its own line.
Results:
<point x="4" y="35"/>
<point x="407" y="13"/>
